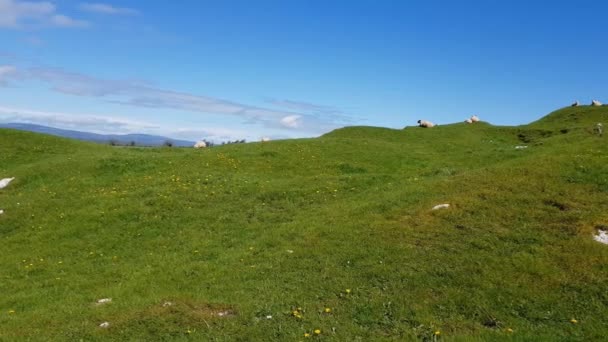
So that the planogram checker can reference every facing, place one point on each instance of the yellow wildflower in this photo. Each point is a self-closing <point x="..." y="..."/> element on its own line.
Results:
<point x="317" y="331"/>
<point x="327" y="310"/>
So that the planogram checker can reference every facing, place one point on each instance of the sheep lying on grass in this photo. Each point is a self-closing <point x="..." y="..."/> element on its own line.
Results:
<point x="474" y="118"/>
<point x="596" y="103"/>
<point x="425" y="124"/>
<point x="469" y="121"/>
<point x="200" y="144"/>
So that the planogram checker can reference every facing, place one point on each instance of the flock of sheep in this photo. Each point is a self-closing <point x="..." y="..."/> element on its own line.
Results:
<point x="474" y="118"/>
<point x="428" y="124"/>
<point x="594" y="103"/>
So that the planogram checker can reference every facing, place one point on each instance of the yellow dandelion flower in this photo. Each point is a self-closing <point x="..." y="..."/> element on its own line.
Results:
<point x="317" y="331"/>
<point x="573" y="321"/>
<point x="348" y="291"/>
<point x="306" y="335"/>
<point x="509" y="330"/>
<point x="11" y="311"/>
<point x="327" y="310"/>
<point x="437" y="333"/>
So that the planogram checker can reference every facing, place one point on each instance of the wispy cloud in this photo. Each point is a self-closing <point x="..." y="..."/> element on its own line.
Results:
<point x="85" y="122"/>
<point x="118" y="125"/>
<point x="328" y="112"/>
<point x="17" y="14"/>
<point x="291" y="121"/>
<point x="107" y="9"/>
<point x="7" y="72"/>
<point x="142" y="94"/>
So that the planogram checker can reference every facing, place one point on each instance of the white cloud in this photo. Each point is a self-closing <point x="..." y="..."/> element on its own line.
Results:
<point x="142" y="94"/>
<point x="18" y="14"/>
<point x="292" y="121"/>
<point x="107" y="9"/>
<point x="7" y="72"/>
<point x="61" y="20"/>
<point x="85" y="122"/>
<point x="103" y="124"/>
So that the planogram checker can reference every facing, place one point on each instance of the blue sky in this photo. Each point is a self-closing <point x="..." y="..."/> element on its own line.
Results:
<point x="284" y="69"/>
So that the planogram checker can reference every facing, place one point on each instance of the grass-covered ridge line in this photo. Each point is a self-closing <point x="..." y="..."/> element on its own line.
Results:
<point x="262" y="229"/>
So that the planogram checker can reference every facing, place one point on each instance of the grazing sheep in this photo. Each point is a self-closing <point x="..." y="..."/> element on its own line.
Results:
<point x="265" y="139"/>
<point x="596" y="103"/>
<point x="599" y="128"/>
<point x="469" y="121"/>
<point x="200" y="144"/>
<point x="425" y="124"/>
<point x="4" y="182"/>
<point x="575" y="104"/>
<point x="474" y="118"/>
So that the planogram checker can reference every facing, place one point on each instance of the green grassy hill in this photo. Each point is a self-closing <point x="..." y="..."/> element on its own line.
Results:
<point x="224" y="244"/>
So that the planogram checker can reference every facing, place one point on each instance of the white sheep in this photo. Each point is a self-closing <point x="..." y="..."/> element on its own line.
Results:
<point x="4" y="182"/>
<point x="475" y="118"/>
<point x="425" y="124"/>
<point x="596" y="103"/>
<point x="200" y="144"/>
<point x="600" y="129"/>
<point x="265" y="139"/>
<point x="469" y="121"/>
<point x="575" y="104"/>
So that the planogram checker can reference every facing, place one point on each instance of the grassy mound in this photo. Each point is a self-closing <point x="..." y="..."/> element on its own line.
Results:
<point x="255" y="241"/>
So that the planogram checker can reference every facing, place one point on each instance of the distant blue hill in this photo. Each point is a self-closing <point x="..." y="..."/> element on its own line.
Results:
<point x="122" y="139"/>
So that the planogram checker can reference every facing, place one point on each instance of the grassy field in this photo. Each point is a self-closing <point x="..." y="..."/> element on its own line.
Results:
<point x="252" y="242"/>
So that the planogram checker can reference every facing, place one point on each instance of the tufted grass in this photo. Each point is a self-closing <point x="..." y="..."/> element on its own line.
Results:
<point x="203" y="245"/>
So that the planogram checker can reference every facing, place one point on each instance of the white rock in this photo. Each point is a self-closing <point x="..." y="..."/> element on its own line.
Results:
<point x="166" y="304"/>
<point x="105" y="325"/>
<point x="441" y="206"/>
<point x="4" y="182"/>
<point x="602" y="237"/>
<point x="269" y="317"/>
<point x="104" y="301"/>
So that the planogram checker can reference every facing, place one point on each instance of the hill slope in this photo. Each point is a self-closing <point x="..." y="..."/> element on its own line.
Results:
<point x="226" y="243"/>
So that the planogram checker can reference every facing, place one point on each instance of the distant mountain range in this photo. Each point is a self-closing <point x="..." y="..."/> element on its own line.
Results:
<point x="122" y="139"/>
